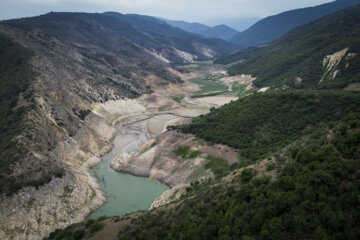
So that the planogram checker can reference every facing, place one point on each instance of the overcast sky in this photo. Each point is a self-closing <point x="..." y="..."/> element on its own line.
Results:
<point x="189" y="10"/>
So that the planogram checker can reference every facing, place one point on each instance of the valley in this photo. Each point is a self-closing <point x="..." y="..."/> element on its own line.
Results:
<point x="68" y="65"/>
<point x="130" y="129"/>
<point x="137" y="130"/>
<point x="126" y="126"/>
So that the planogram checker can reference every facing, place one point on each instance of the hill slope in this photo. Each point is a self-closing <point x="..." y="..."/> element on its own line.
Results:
<point x="271" y="28"/>
<point x="307" y="191"/>
<point x="194" y="46"/>
<point x="54" y="69"/>
<point x="220" y="31"/>
<point x="83" y="58"/>
<point x="323" y="54"/>
<point x="312" y="196"/>
<point x="262" y="124"/>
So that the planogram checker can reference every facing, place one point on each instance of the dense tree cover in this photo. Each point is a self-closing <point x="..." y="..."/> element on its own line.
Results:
<point x="300" y="53"/>
<point x="185" y="152"/>
<point x="263" y="123"/>
<point x="15" y="77"/>
<point x="91" y="226"/>
<point x="316" y="196"/>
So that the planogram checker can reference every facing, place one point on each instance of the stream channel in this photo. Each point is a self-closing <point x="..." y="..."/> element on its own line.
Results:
<point x="125" y="193"/>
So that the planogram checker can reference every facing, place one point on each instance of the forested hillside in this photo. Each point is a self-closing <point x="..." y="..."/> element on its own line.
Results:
<point x="324" y="54"/>
<point x="314" y="197"/>
<point x="310" y="192"/>
<point x="219" y="31"/>
<point x="15" y="77"/>
<point x="263" y="123"/>
<point x="274" y="27"/>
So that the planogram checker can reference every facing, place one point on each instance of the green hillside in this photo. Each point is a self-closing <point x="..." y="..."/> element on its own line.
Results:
<point x="313" y="195"/>
<point x="263" y="123"/>
<point x="295" y="172"/>
<point x="296" y="60"/>
<point x="274" y="27"/>
<point x="15" y="77"/>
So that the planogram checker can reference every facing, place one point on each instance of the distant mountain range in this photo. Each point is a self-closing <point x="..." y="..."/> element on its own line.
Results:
<point x="198" y="47"/>
<point x="322" y="54"/>
<point x="273" y="27"/>
<point x="219" y="31"/>
<point x="239" y="24"/>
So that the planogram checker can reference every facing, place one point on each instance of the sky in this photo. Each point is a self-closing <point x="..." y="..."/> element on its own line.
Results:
<point x="188" y="10"/>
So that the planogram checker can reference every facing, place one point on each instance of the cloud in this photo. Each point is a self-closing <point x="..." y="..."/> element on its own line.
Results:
<point x="191" y="10"/>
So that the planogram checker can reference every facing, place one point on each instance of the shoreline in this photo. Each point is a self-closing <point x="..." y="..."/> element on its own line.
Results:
<point x="144" y="114"/>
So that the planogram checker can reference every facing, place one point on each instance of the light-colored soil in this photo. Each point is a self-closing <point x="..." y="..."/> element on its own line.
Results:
<point x="353" y="87"/>
<point x="217" y="100"/>
<point x="114" y="125"/>
<point x="243" y="79"/>
<point x="151" y="114"/>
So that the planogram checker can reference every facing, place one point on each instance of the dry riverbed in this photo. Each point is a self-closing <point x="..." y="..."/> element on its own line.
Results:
<point x="110" y="126"/>
<point x="155" y="158"/>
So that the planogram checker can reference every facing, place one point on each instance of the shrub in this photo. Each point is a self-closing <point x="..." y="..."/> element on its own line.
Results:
<point x="246" y="175"/>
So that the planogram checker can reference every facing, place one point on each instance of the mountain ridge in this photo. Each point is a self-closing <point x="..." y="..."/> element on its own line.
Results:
<point x="177" y="37"/>
<point x="221" y="31"/>
<point x="321" y="54"/>
<point x="273" y="27"/>
<point x="74" y="61"/>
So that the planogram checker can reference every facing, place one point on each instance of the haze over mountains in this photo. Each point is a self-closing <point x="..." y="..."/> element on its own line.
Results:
<point x="273" y="27"/>
<point x="322" y="54"/>
<point x="219" y="31"/>
<point x="239" y="24"/>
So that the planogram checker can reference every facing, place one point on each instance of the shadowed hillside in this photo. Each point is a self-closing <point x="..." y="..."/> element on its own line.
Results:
<point x="271" y="28"/>
<point x="322" y="54"/>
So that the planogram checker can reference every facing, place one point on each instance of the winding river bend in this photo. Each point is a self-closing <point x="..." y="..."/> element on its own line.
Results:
<point x="125" y="193"/>
<point x="137" y="122"/>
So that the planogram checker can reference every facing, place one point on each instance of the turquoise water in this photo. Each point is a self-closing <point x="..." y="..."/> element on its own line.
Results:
<point x="125" y="193"/>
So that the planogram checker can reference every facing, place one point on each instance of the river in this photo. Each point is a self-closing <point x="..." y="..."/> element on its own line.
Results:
<point x="125" y="193"/>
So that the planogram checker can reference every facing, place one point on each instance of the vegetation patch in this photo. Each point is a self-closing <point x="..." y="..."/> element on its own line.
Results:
<point x="149" y="147"/>
<point x="246" y="175"/>
<point x="185" y="152"/>
<point x="207" y="86"/>
<point x="263" y="123"/>
<point x="300" y="55"/>
<point x="82" y="113"/>
<point x="217" y="165"/>
<point x="178" y="99"/>
<point x="16" y="75"/>
<point x="314" y="197"/>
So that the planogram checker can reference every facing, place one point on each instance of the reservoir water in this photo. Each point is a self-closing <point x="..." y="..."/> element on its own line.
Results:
<point x="125" y="193"/>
